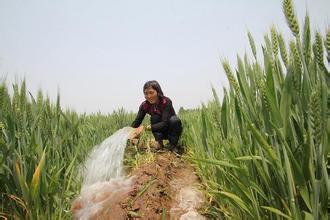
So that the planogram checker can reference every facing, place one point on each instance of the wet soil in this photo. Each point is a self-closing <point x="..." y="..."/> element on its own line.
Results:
<point x="165" y="188"/>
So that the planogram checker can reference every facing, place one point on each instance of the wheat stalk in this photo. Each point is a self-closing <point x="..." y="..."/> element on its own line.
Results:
<point x="319" y="50"/>
<point x="291" y="17"/>
<point x="252" y="45"/>
<point x="328" y="45"/>
<point x="231" y="77"/>
<point x="307" y="40"/>
<point x="282" y="46"/>
<point x="274" y="40"/>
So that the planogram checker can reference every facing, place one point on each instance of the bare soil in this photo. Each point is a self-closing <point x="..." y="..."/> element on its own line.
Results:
<point x="163" y="178"/>
<point x="165" y="188"/>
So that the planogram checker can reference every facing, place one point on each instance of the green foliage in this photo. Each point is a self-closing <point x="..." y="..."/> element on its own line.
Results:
<point x="262" y="151"/>
<point x="41" y="147"/>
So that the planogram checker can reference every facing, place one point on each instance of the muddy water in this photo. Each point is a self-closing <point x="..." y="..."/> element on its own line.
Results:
<point x="188" y="197"/>
<point x="189" y="200"/>
<point x="104" y="182"/>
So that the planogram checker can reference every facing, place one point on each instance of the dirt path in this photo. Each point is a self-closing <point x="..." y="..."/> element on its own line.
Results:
<point x="172" y="189"/>
<point x="166" y="188"/>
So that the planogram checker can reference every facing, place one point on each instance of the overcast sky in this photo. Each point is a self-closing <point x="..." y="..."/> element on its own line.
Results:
<point x="98" y="54"/>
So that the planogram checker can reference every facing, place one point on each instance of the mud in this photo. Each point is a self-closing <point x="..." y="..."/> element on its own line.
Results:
<point x="166" y="188"/>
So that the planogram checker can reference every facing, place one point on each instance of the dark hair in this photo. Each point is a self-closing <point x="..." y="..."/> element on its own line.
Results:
<point x="155" y="85"/>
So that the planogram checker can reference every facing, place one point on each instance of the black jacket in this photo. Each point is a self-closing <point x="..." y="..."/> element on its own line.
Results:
<point x="164" y="109"/>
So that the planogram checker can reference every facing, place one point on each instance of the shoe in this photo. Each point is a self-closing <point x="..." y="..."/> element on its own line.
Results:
<point x="177" y="150"/>
<point x="159" y="147"/>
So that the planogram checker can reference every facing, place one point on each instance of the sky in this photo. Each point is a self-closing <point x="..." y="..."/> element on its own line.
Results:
<point x="98" y="54"/>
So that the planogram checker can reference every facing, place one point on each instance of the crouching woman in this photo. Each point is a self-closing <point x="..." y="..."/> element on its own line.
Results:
<point x="165" y="124"/>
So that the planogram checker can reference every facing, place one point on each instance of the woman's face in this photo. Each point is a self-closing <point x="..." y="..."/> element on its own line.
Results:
<point x="151" y="95"/>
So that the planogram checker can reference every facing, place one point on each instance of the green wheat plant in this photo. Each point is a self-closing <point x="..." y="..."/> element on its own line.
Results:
<point x="262" y="151"/>
<point x="41" y="147"/>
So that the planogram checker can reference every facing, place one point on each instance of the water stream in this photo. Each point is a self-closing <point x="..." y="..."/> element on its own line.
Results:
<point x="105" y="161"/>
<point x="104" y="181"/>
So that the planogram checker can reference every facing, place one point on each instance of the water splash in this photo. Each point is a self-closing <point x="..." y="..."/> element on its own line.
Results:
<point x="98" y="200"/>
<point x="106" y="160"/>
<point x="104" y="182"/>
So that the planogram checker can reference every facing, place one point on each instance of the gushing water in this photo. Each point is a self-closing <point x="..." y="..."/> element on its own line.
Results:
<point x="104" y="182"/>
<point x="106" y="160"/>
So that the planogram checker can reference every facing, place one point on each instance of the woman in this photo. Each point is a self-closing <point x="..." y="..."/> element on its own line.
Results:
<point x="164" y="122"/>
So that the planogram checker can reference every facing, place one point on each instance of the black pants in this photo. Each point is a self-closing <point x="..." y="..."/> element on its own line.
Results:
<point x="173" y="131"/>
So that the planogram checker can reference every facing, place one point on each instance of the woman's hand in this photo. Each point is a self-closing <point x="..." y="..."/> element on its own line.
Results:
<point x="139" y="130"/>
<point x="136" y="132"/>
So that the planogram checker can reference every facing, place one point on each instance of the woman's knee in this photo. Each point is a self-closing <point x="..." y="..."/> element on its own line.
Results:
<point x="175" y="120"/>
<point x="175" y="125"/>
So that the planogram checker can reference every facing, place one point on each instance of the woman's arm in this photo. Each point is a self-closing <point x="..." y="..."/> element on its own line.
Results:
<point x="137" y="123"/>
<point x="139" y="117"/>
